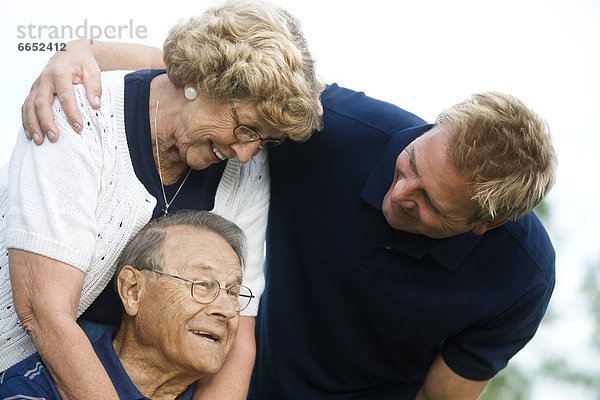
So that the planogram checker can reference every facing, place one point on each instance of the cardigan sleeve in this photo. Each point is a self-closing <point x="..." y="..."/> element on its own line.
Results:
<point x="243" y="197"/>
<point x="53" y="191"/>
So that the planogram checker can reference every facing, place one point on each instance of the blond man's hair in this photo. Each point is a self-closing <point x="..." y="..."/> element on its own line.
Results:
<point x="249" y="51"/>
<point x="505" y="151"/>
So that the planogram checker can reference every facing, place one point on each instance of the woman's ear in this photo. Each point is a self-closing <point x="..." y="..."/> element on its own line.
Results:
<point x="129" y="287"/>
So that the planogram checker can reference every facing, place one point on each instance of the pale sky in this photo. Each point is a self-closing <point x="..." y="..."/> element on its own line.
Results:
<point x="421" y="55"/>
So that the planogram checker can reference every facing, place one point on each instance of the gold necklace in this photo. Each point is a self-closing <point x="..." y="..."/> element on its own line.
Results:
<point x="165" y="210"/>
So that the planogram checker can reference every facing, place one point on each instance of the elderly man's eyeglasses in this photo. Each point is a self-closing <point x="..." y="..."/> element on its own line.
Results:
<point x="245" y="134"/>
<point x="206" y="290"/>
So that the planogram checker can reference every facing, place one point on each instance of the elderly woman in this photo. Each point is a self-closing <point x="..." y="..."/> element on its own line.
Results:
<point x="157" y="354"/>
<point x="239" y="78"/>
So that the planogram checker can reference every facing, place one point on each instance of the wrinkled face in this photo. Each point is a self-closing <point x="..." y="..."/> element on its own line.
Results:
<point x="205" y="133"/>
<point x="428" y="195"/>
<point x="183" y="334"/>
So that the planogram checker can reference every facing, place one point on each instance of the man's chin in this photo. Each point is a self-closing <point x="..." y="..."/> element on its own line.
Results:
<point x="397" y="225"/>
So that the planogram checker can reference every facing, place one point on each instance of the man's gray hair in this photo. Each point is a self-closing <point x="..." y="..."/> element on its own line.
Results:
<point x="145" y="249"/>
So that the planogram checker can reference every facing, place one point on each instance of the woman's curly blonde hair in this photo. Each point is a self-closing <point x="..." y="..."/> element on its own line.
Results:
<point x="249" y="51"/>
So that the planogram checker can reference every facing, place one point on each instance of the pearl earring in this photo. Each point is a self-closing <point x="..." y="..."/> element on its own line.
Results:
<point x="190" y="93"/>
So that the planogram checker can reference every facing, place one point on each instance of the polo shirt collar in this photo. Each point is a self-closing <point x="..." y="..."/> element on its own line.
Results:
<point x="450" y="252"/>
<point x="115" y="370"/>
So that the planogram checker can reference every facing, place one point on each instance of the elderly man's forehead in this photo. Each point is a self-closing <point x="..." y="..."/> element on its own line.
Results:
<point x="189" y="247"/>
<point x="226" y="274"/>
<point x="178" y="233"/>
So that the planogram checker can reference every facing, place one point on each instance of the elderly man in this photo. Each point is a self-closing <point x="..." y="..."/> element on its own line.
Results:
<point x="404" y="259"/>
<point x="179" y="281"/>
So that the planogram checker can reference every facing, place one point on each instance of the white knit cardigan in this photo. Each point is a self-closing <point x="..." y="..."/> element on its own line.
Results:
<point x="79" y="201"/>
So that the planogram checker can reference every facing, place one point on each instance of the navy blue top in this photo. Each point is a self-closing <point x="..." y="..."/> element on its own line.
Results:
<point x="355" y="309"/>
<point x="197" y="193"/>
<point x="30" y="379"/>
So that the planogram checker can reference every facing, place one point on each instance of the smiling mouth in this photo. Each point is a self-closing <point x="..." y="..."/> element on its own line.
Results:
<point x="207" y="336"/>
<point x="219" y="155"/>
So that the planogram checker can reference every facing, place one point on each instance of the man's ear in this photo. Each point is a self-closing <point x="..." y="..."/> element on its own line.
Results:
<point x="129" y="287"/>
<point x="484" y="226"/>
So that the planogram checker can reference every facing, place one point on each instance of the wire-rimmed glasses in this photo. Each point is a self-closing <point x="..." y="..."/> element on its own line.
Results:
<point x="245" y="134"/>
<point x="206" y="290"/>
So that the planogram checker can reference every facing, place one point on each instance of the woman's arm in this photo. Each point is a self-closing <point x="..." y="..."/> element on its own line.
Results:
<point x="52" y="248"/>
<point x="245" y="202"/>
<point x="80" y="63"/>
<point x="46" y="294"/>
<point x="233" y="380"/>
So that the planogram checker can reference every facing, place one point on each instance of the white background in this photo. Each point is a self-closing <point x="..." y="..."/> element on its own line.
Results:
<point x="424" y="56"/>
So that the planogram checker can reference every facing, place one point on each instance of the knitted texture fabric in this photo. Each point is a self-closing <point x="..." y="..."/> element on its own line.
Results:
<point x="78" y="201"/>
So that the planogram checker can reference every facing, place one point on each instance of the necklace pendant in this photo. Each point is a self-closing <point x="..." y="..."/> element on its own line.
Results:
<point x="165" y="210"/>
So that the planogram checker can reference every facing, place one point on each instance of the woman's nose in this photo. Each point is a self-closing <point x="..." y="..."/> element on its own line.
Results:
<point x="244" y="151"/>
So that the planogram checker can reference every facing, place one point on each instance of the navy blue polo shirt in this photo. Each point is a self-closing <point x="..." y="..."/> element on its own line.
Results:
<point x="197" y="193"/>
<point x="355" y="309"/>
<point x="30" y="379"/>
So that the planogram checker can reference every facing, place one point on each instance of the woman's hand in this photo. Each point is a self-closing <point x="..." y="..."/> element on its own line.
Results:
<point x="80" y="63"/>
<point x="73" y="66"/>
